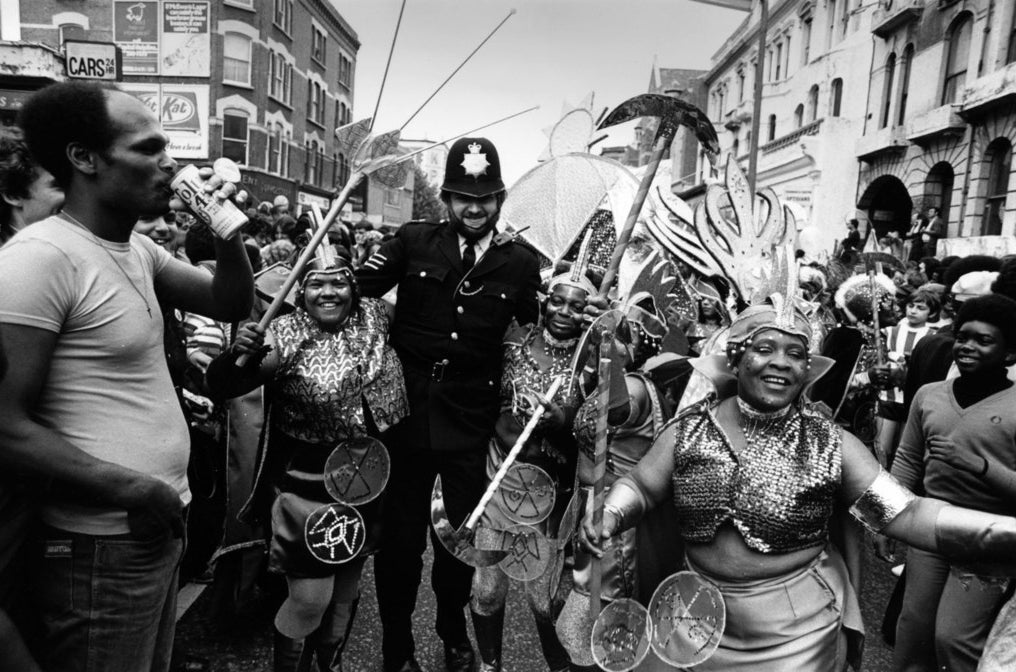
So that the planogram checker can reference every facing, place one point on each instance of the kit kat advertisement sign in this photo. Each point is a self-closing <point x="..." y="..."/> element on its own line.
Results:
<point x="183" y="110"/>
<point x="163" y="38"/>
<point x="136" y="32"/>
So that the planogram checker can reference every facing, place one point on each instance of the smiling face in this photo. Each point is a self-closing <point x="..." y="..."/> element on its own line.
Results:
<point x="134" y="172"/>
<point x="328" y="297"/>
<point x="979" y="348"/>
<point x="163" y="233"/>
<point x="563" y="315"/>
<point x="473" y="216"/>
<point x="771" y="373"/>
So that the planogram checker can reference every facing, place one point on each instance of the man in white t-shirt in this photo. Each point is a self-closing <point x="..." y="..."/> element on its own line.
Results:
<point x="88" y="403"/>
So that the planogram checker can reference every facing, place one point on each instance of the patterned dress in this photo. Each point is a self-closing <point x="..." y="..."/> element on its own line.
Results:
<point x="553" y="451"/>
<point x="329" y="387"/>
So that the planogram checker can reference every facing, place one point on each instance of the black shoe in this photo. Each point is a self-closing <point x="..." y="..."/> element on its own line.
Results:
<point x="409" y="666"/>
<point x="460" y="658"/>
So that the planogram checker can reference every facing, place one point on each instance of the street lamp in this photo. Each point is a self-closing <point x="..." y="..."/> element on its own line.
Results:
<point x="763" y="26"/>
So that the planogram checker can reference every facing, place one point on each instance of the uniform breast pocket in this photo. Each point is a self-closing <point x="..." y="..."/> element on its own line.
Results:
<point x="498" y="301"/>
<point x="420" y="289"/>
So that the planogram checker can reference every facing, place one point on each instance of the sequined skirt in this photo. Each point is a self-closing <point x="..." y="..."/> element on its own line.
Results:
<point x="301" y="490"/>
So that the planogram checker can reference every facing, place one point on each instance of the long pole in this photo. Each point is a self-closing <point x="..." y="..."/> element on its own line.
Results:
<point x="377" y="105"/>
<point x="756" y="114"/>
<point x="471" y="54"/>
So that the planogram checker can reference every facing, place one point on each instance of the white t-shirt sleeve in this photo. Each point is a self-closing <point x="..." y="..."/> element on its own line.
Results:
<point x="159" y="258"/>
<point x="38" y="282"/>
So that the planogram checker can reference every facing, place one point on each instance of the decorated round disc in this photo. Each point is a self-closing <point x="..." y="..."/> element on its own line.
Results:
<point x="334" y="533"/>
<point x="688" y="617"/>
<point x="526" y="495"/>
<point x="620" y="639"/>
<point x="357" y="471"/>
<point x="529" y="553"/>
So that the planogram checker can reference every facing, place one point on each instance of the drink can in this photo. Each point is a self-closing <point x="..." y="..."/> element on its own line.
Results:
<point x="223" y="217"/>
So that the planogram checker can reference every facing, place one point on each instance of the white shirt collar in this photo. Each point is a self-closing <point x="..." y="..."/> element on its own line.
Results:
<point x="480" y="245"/>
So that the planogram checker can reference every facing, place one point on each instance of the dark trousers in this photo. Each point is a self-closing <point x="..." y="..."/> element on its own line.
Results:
<point x="398" y="565"/>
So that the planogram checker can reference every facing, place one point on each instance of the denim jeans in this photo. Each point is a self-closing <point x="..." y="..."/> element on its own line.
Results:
<point x="106" y="603"/>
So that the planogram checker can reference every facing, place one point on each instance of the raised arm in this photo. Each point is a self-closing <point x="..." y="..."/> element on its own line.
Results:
<point x="226" y="296"/>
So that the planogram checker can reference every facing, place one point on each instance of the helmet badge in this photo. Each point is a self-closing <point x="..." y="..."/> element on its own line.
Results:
<point x="475" y="162"/>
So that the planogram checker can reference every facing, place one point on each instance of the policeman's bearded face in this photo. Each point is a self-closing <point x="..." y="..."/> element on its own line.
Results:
<point x="473" y="216"/>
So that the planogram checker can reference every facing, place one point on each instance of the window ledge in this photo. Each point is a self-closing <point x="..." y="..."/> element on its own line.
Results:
<point x="281" y="102"/>
<point x="237" y="85"/>
<point x="238" y="5"/>
<point x="316" y="123"/>
<point x="283" y="30"/>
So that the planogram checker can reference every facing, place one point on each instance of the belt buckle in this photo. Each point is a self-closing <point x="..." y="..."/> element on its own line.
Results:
<point x="437" y="371"/>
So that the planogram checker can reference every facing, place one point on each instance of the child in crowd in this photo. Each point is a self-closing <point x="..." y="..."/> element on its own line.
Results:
<point x="959" y="445"/>
<point x="922" y="306"/>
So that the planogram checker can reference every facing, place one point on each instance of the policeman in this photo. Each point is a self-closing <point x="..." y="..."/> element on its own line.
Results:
<point x="461" y="283"/>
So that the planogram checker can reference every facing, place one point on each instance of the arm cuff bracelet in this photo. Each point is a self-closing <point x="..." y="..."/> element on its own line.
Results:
<point x="626" y="502"/>
<point x="884" y="499"/>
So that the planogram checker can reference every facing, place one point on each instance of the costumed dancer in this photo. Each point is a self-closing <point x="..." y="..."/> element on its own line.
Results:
<point x="331" y="379"/>
<point x="644" y="383"/>
<point x="533" y="357"/>
<point x="754" y="477"/>
<point x="853" y="349"/>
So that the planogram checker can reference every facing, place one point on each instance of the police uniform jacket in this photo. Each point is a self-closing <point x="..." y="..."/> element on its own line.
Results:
<point x="449" y="327"/>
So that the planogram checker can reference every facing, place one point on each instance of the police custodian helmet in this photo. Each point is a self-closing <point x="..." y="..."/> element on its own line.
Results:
<point x="473" y="168"/>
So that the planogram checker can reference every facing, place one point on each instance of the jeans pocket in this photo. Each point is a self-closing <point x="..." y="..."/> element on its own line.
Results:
<point x="55" y="577"/>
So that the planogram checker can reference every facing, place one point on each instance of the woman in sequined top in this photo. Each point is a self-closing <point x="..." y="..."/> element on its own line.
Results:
<point x="533" y="358"/>
<point x="330" y="376"/>
<point x="754" y="475"/>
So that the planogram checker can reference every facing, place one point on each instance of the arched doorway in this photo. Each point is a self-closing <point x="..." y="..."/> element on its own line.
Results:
<point x="888" y="205"/>
<point x="938" y="189"/>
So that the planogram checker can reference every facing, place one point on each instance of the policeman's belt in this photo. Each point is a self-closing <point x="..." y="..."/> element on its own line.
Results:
<point x="444" y="369"/>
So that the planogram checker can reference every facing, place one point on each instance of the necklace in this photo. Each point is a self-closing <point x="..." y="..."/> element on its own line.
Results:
<point x="758" y="424"/>
<point x="552" y="343"/>
<point x="95" y="239"/>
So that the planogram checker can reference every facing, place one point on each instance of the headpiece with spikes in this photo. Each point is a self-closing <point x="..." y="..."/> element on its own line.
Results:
<point x="577" y="277"/>
<point x="740" y="230"/>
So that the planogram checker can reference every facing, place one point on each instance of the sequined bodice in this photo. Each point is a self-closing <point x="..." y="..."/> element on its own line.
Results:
<point x="324" y="378"/>
<point x="522" y="377"/>
<point x="778" y="491"/>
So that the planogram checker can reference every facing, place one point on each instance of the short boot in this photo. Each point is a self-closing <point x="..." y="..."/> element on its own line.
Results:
<point x="332" y="635"/>
<point x="286" y="653"/>
<point x="489" y="632"/>
<point x="553" y="651"/>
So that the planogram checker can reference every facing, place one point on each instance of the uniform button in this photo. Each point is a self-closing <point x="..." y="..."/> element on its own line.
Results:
<point x="460" y="310"/>
<point x="502" y="296"/>
<point x="490" y="382"/>
<point x="455" y="336"/>
<point x="423" y="274"/>
<point x="466" y="284"/>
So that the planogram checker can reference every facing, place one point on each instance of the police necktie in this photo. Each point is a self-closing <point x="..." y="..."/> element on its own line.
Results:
<point x="468" y="256"/>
